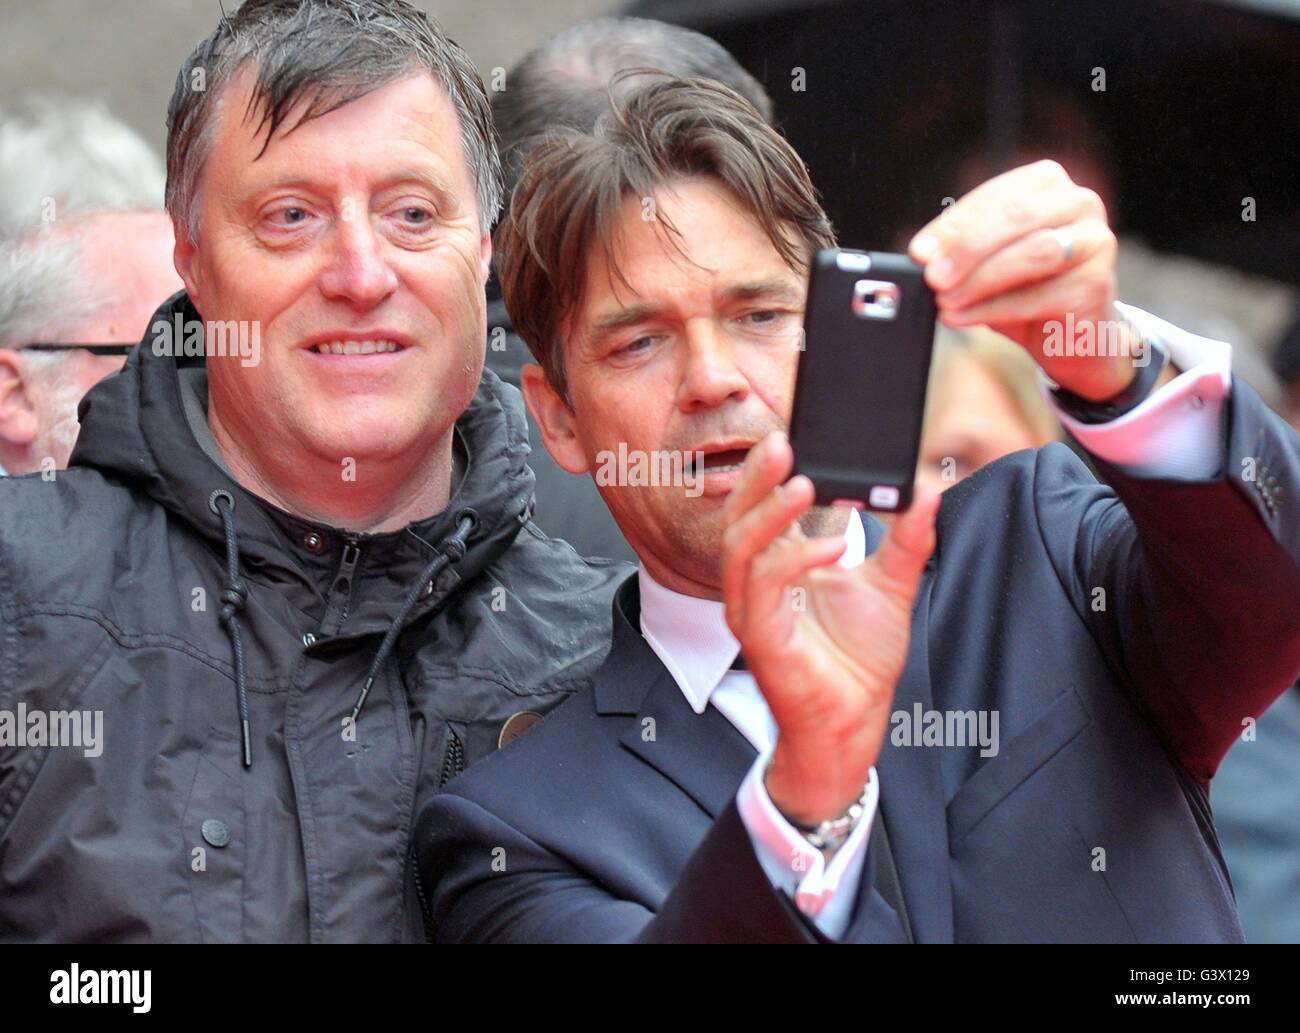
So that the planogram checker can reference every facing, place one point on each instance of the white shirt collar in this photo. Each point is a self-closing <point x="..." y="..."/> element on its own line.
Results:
<point x="690" y="635"/>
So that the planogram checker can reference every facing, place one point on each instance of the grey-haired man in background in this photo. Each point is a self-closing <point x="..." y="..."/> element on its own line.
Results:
<point x="85" y="254"/>
<point x="63" y="156"/>
<point x="74" y="299"/>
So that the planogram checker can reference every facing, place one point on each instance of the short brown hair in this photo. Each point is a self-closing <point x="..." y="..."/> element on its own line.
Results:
<point x="566" y="81"/>
<point x="574" y="183"/>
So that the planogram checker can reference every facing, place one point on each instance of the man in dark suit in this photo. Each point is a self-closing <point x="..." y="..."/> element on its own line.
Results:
<point x="567" y="82"/>
<point x="994" y="723"/>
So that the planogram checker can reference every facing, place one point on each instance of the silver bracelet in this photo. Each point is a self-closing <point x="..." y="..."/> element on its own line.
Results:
<point x="831" y="834"/>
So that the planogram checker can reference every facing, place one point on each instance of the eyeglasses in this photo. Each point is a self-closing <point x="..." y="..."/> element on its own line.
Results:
<point x="94" y="349"/>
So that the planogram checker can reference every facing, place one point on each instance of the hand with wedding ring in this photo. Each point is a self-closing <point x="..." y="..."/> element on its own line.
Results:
<point x="1030" y="254"/>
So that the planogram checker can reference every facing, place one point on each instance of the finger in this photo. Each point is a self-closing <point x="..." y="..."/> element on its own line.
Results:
<point x="898" y="561"/>
<point x="768" y="464"/>
<point x="1085" y="289"/>
<point x="1033" y="258"/>
<point x="994" y="214"/>
<point x="998" y="205"/>
<point x="775" y="572"/>
<point x="753" y="532"/>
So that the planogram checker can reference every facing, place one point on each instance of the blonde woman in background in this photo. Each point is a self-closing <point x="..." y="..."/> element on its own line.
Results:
<point x="983" y="403"/>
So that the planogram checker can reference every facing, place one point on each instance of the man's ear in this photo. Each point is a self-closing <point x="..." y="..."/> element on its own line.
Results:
<point x="19" y="421"/>
<point x="185" y="259"/>
<point x="554" y="418"/>
<point x="485" y="253"/>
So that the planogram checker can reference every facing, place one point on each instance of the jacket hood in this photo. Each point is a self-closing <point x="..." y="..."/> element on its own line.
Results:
<point x="134" y="430"/>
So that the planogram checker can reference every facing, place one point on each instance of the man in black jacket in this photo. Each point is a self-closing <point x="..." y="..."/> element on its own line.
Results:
<point x="289" y="584"/>
<point x="996" y="724"/>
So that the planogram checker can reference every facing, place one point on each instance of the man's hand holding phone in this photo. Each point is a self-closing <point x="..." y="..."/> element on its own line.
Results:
<point x="826" y="644"/>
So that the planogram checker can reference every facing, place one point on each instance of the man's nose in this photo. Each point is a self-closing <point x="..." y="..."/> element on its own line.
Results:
<point x="711" y="376"/>
<point x="358" y="271"/>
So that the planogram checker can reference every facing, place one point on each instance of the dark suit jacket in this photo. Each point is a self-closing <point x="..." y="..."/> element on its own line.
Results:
<point x="614" y="819"/>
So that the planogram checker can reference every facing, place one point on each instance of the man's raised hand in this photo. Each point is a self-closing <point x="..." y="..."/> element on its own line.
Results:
<point x="825" y="644"/>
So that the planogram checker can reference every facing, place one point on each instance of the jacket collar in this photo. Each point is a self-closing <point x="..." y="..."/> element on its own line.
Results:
<point x="631" y="667"/>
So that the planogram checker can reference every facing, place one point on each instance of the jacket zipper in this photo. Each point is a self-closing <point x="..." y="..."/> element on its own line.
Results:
<point x="426" y="917"/>
<point x="344" y="579"/>
<point x="453" y="764"/>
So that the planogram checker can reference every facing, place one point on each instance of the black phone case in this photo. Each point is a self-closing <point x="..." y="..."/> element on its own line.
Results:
<point x="860" y="394"/>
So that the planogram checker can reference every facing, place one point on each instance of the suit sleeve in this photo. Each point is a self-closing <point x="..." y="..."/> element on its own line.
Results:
<point x="1190" y="587"/>
<point x="491" y="883"/>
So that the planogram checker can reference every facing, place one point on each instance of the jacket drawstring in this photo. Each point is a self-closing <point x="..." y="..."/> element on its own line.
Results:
<point x="451" y="551"/>
<point x="233" y="594"/>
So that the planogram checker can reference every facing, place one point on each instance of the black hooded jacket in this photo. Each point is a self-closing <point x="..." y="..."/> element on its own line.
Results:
<point x="227" y="644"/>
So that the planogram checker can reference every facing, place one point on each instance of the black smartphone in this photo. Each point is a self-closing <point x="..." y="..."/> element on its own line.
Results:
<point x="860" y="394"/>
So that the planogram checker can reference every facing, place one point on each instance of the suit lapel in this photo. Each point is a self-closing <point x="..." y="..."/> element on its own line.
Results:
<point x="911" y="788"/>
<point x="702" y="754"/>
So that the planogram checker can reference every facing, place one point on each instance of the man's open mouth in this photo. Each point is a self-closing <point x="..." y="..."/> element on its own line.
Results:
<point x="351" y="347"/>
<point x="722" y="460"/>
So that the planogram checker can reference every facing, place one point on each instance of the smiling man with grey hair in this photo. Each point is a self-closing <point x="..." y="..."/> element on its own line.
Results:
<point x="302" y="584"/>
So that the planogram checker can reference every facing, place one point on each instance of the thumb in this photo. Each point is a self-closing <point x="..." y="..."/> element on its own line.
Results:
<point x="897" y="563"/>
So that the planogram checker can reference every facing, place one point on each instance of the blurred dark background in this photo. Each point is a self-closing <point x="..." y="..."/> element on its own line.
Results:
<point x="902" y="99"/>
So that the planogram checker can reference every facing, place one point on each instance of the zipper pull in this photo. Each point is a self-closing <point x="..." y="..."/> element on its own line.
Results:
<point x="347" y="569"/>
